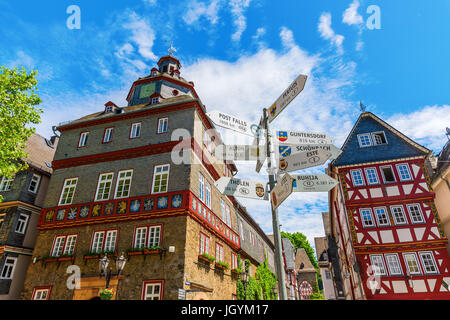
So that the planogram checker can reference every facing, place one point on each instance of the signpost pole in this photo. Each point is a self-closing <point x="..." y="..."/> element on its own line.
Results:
<point x="275" y="220"/>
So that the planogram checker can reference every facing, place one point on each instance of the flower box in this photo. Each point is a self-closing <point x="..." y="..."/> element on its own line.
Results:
<point x="203" y="258"/>
<point x="50" y="259"/>
<point x="94" y="256"/>
<point x="66" y="258"/>
<point x="236" y="271"/>
<point x="146" y="251"/>
<point x="221" y="266"/>
<point x="135" y="253"/>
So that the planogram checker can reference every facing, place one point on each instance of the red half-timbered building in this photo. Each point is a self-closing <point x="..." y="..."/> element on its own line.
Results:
<point x="385" y="196"/>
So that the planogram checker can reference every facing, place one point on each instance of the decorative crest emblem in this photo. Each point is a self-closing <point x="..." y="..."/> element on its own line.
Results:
<point x="282" y="136"/>
<point x="285" y="151"/>
<point x="259" y="190"/>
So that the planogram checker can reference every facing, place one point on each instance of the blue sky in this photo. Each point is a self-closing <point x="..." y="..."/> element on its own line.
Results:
<point x="241" y="54"/>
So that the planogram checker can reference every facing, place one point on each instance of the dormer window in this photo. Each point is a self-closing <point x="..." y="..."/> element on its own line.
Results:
<point x="155" y="100"/>
<point x="379" y="138"/>
<point x="153" y="73"/>
<point x="109" y="109"/>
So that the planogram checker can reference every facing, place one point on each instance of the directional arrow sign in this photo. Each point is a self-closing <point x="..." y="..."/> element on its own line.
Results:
<point x="313" y="183"/>
<point x="241" y="188"/>
<point x="288" y="95"/>
<point x="302" y="138"/>
<point x="282" y="190"/>
<point x="230" y="122"/>
<point x="240" y="152"/>
<point x="303" y="160"/>
<point x="287" y="150"/>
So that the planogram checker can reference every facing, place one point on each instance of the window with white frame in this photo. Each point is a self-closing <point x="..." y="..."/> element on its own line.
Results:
<point x="372" y="176"/>
<point x="152" y="291"/>
<point x="204" y="243"/>
<point x="415" y="213"/>
<point x="382" y="216"/>
<point x="208" y="194"/>
<point x="108" y="109"/>
<point x="378" y="265"/>
<point x="108" y="135"/>
<point x="219" y="252"/>
<point x="241" y="231"/>
<point x="388" y="174"/>
<point x="357" y="177"/>
<point x="155" y="100"/>
<point x="123" y="184"/>
<point x="201" y="187"/>
<point x="154" y="236"/>
<point x="34" y="184"/>
<point x="22" y="223"/>
<point x="104" y="186"/>
<point x="398" y="214"/>
<point x="41" y="294"/>
<point x="68" y="191"/>
<point x="411" y="263"/>
<point x="228" y="215"/>
<point x="161" y="178"/>
<point x="364" y="140"/>
<point x="135" y="130"/>
<point x="147" y="237"/>
<point x="83" y="139"/>
<point x="163" y="125"/>
<point x="403" y="172"/>
<point x="234" y="261"/>
<point x="104" y="241"/>
<point x="222" y="209"/>
<point x="379" y="138"/>
<point x="366" y="217"/>
<point x="8" y="268"/>
<point x="428" y="263"/>
<point x="393" y="264"/>
<point x="140" y="237"/>
<point x="5" y="184"/>
<point x="64" y="245"/>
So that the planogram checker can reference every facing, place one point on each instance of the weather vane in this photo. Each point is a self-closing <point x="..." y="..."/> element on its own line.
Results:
<point x="171" y="49"/>
<point x="362" y="107"/>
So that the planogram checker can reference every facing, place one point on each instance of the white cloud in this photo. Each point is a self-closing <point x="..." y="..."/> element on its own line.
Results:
<point x="237" y="10"/>
<point x="328" y="33"/>
<point x="351" y="15"/>
<point x="259" y="33"/>
<point x="287" y="38"/>
<point x="426" y="126"/>
<point x="142" y="35"/>
<point x="198" y="9"/>
<point x="150" y="2"/>
<point x="253" y="82"/>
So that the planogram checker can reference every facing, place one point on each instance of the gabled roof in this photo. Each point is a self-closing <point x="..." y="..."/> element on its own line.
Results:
<point x="40" y="153"/>
<point x="302" y="257"/>
<point x="398" y="146"/>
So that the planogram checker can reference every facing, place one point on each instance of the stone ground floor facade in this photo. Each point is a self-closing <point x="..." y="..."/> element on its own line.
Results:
<point x="159" y="274"/>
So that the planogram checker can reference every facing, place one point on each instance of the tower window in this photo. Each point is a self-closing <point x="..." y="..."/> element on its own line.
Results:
<point x="164" y="69"/>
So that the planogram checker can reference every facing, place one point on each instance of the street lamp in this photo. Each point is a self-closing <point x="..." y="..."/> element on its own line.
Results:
<point x="120" y="264"/>
<point x="244" y="279"/>
<point x="103" y="265"/>
<point x="274" y="291"/>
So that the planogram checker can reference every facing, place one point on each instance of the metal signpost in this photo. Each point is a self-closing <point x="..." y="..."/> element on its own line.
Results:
<point x="295" y="151"/>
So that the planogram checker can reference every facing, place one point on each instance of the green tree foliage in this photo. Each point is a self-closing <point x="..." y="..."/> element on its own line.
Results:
<point x="18" y="99"/>
<point x="258" y="287"/>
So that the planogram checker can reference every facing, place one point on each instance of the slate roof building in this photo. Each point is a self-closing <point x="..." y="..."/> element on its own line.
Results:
<point x="139" y="180"/>
<point x="23" y="198"/>
<point x="306" y="273"/>
<point x="385" y="212"/>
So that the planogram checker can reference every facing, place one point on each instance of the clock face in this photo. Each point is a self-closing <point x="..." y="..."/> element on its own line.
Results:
<point x="147" y="90"/>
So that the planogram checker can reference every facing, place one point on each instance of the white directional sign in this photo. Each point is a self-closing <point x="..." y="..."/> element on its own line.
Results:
<point x="181" y="294"/>
<point x="305" y="138"/>
<point x="230" y="122"/>
<point x="282" y="190"/>
<point x="287" y="150"/>
<point x="313" y="183"/>
<point x="303" y="160"/>
<point x="288" y="95"/>
<point x="240" y="152"/>
<point x="241" y="188"/>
